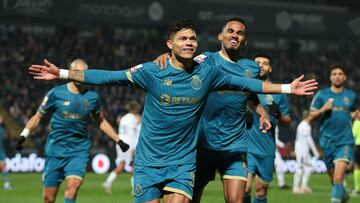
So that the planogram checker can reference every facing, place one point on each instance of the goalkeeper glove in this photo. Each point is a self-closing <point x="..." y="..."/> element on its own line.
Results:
<point x="123" y="146"/>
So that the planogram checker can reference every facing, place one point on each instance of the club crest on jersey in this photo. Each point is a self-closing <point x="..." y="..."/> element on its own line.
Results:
<point x="346" y="100"/>
<point x="168" y="82"/>
<point x="196" y="82"/>
<point x="138" y="190"/>
<point x="269" y="99"/>
<point x="248" y="73"/>
<point x="200" y="58"/>
<point x="133" y="69"/>
<point x="86" y="104"/>
<point x="66" y="103"/>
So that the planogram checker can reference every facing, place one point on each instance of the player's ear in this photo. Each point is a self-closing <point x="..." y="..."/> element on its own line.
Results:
<point x="169" y="44"/>
<point x="220" y="36"/>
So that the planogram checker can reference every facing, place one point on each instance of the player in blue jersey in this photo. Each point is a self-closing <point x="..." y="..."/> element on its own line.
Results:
<point x="333" y="105"/>
<point x="222" y="139"/>
<point x="175" y="97"/>
<point x="3" y="171"/>
<point x="261" y="147"/>
<point x="68" y="145"/>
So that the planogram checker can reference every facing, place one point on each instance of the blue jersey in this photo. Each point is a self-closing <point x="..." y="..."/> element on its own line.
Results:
<point x="264" y="144"/>
<point x="173" y="105"/>
<point x="222" y="125"/>
<point x="69" y="123"/>
<point x="335" y="126"/>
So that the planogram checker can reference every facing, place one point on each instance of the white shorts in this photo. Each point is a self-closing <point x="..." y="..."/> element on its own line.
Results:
<point x="303" y="159"/>
<point x="123" y="156"/>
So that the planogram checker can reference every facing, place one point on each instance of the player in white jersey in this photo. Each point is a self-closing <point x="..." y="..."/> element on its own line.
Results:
<point x="129" y="129"/>
<point x="303" y="144"/>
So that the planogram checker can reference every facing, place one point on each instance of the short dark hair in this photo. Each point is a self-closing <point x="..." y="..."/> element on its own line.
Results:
<point x="133" y="106"/>
<point x="263" y="55"/>
<point x="336" y="66"/>
<point x="179" y="25"/>
<point x="237" y="19"/>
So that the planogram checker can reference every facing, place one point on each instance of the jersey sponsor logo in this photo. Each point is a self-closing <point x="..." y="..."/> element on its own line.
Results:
<point x="44" y="102"/>
<point x="168" y="82"/>
<point x="248" y="73"/>
<point x="200" y="58"/>
<point x="346" y="100"/>
<point x="133" y="69"/>
<point x="66" y="103"/>
<point x="196" y="82"/>
<point x="269" y="99"/>
<point x="167" y="99"/>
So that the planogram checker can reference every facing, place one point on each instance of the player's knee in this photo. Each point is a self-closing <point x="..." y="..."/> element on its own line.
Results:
<point x="261" y="192"/>
<point x="234" y="197"/>
<point x="49" y="198"/>
<point x="71" y="190"/>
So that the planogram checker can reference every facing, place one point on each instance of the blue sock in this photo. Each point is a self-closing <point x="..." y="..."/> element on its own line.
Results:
<point x="337" y="192"/>
<point x="260" y="200"/>
<point x="69" y="200"/>
<point x="247" y="198"/>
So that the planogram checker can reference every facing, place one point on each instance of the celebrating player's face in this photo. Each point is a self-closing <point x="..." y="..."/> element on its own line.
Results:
<point x="183" y="44"/>
<point x="337" y="77"/>
<point x="233" y="35"/>
<point x="265" y="67"/>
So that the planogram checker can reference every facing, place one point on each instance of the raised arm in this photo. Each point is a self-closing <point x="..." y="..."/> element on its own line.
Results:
<point x="105" y="126"/>
<point x="49" y="71"/>
<point x="297" y="86"/>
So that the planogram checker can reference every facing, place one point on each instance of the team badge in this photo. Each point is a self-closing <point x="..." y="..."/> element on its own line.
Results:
<point x="196" y="82"/>
<point x="138" y="190"/>
<point x="200" y="58"/>
<point x="248" y="73"/>
<point x="133" y="69"/>
<point x="66" y="103"/>
<point x="168" y="82"/>
<point x="86" y="104"/>
<point x="269" y="99"/>
<point x="346" y="100"/>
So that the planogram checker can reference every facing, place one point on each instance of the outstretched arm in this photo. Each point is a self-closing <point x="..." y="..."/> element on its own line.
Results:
<point x="49" y="71"/>
<point x="29" y="127"/>
<point x="105" y="126"/>
<point x="297" y="86"/>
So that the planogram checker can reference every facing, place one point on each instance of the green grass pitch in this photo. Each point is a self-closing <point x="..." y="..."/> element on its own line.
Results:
<point x="27" y="189"/>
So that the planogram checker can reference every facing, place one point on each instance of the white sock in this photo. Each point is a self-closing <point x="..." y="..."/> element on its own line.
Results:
<point x="111" y="178"/>
<point x="280" y="175"/>
<point x="306" y="176"/>
<point x="297" y="178"/>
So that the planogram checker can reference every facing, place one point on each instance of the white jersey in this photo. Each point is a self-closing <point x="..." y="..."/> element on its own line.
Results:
<point x="129" y="129"/>
<point x="304" y="142"/>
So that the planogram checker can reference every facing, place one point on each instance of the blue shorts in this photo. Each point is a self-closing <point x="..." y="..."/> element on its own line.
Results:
<point x="338" y="153"/>
<point x="230" y="164"/>
<point x="152" y="182"/>
<point x="59" y="168"/>
<point x="261" y="166"/>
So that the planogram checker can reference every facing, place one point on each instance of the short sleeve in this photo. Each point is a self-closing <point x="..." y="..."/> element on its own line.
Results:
<point x="48" y="104"/>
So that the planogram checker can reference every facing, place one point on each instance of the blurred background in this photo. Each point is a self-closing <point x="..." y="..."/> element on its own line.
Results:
<point x="302" y="36"/>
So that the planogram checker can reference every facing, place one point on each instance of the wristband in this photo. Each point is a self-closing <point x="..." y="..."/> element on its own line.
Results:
<point x="25" y="132"/>
<point x="64" y="74"/>
<point x="286" y="89"/>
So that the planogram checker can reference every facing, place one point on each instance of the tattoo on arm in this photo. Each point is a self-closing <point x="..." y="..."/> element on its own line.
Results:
<point x="76" y="75"/>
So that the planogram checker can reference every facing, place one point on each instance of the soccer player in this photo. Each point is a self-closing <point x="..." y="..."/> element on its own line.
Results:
<point x="68" y="144"/>
<point x="356" y="132"/>
<point x="129" y="129"/>
<point x="175" y="97"/>
<point x="303" y="145"/>
<point x="261" y="147"/>
<point x="334" y="105"/>
<point x="4" y="173"/>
